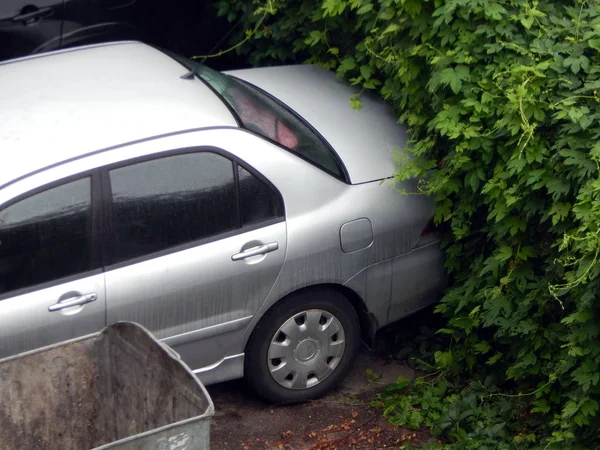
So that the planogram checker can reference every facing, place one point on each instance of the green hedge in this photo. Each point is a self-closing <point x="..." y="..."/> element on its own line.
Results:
<point x="501" y="99"/>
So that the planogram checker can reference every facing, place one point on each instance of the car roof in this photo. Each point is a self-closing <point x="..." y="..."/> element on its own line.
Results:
<point x="62" y="105"/>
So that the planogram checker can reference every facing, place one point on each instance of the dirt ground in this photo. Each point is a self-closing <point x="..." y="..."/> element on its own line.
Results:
<point x="342" y="420"/>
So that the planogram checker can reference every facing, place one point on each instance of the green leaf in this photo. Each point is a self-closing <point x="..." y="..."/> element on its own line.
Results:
<point x="576" y="63"/>
<point x="541" y="406"/>
<point x="314" y="37"/>
<point x="455" y="77"/>
<point x="483" y="347"/>
<point x="355" y="103"/>
<point x="365" y="71"/>
<point x="443" y="359"/>
<point x="347" y="64"/>
<point x="558" y="188"/>
<point x="504" y="253"/>
<point x="594" y="43"/>
<point x="387" y="14"/>
<point x="526" y="21"/>
<point x="391" y="28"/>
<point x="525" y="253"/>
<point x="333" y="7"/>
<point x="494" y="359"/>
<point x="494" y="11"/>
<point x="570" y="408"/>
<point x="364" y="9"/>
<point x="559" y="212"/>
<point x="589" y="407"/>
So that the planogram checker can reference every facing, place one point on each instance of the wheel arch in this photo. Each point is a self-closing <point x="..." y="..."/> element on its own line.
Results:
<point x="368" y="322"/>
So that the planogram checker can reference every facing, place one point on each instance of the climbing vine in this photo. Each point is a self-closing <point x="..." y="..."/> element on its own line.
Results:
<point x="501" y="99"/>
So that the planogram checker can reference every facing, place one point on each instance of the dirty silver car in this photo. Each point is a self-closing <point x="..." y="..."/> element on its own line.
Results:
<point x="248" y="219"/>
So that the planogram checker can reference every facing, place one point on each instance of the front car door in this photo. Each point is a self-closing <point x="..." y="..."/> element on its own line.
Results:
<point x="94" y="21"/>
<point x="27" y="25"/>
<point x="51" y="281"/>
<point x="197" y="241"/>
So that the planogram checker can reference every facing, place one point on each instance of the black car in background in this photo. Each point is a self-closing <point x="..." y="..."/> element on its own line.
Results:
<point x="187" y="27"/>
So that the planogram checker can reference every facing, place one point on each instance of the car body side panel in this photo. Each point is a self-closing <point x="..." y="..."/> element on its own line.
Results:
<point x="26" y="323"/>
<point x="316" y="206"/>
<point x="374" y="282"/>
<point x="200" y="288"/>
<point x="418" y="279"/>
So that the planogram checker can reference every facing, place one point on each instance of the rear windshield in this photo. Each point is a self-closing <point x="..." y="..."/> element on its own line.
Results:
<point x="260" y="113"/>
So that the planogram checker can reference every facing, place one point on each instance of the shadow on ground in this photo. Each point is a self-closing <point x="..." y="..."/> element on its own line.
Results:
<point x="344" y="419"/>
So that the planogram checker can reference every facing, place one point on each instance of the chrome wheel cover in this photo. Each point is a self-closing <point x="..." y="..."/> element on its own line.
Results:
<point x="306" y="349"/>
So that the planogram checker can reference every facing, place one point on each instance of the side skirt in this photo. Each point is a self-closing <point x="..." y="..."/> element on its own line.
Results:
<point x="229" y="368"/>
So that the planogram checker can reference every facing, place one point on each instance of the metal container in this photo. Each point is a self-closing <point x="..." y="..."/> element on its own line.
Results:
<point x="117" y="389"/>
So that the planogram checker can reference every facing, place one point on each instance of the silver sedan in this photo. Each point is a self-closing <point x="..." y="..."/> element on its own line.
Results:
<point x="248" y="219"/>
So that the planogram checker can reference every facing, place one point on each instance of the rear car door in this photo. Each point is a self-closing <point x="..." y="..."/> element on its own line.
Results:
<point x="27" y="25"/>
<point x="197" y="240"/>
<point x="51" y="281"/>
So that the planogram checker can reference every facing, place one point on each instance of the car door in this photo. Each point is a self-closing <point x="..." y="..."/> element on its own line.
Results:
<point x="94" y="21"/>
<point x="51" y="281"/>
<point x="27" y="25"/>
<point x="197" y="242"/>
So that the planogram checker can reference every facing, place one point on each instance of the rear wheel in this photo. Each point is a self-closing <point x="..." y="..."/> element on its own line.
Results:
<point x="303" y="347"/>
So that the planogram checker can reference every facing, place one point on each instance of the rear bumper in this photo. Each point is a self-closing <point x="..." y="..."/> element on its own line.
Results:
<point x="418" y="280"/>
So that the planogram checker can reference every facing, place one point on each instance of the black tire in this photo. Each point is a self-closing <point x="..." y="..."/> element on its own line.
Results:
<point x="257" y="364"/>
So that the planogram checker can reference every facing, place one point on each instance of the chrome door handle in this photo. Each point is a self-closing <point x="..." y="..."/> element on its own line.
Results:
<point x="75" y="301"/>
<point x="255" y="251"/>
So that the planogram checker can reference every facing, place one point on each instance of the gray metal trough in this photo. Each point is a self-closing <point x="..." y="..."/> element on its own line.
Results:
<point x="117" y="389"/>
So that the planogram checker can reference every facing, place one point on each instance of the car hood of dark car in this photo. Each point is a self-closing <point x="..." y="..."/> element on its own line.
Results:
<point x="367" y="140"/>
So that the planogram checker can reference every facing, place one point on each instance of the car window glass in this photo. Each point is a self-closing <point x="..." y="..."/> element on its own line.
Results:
<point x="262" y="114"/>
<point x="46" y="236"/>
<point x="258" y="202"/>
<point x="171" y="201"/>
<point x="265" y="116"/>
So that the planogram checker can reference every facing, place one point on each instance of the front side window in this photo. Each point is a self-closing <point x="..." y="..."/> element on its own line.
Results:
<point x="46" y="236"/>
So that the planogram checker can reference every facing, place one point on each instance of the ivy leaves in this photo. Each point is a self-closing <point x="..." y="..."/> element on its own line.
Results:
<point x="502" y="100"/>
<point x="451" y="76"/>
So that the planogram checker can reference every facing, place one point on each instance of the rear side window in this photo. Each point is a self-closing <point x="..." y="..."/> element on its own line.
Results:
<point x="174" y="200"/>
<point x="46" y="236"/>
<point x="170" y="201"/>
